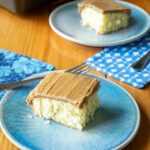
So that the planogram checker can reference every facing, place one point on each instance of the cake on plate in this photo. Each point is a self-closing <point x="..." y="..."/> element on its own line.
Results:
<point x="66" y="98"/>
<point x="104" y="16"/>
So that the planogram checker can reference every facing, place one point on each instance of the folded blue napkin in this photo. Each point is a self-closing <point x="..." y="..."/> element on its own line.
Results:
<point x="15" y="67"/>
<point x="116" y="62"/>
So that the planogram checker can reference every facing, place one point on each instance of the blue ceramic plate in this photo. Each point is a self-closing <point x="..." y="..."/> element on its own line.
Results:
<point x="113" y="127"/>
<point x="65" y="21"/>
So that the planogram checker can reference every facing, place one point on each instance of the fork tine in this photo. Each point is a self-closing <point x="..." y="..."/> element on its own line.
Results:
<point x="82" y="70"/>
<point x="85" y="71"/>
<point x="79" y="69"/>
<point x="76" y="67"/>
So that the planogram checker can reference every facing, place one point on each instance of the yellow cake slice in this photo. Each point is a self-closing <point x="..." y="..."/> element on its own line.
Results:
<point x="66" y="98"/>
<point x="104" y="15"/>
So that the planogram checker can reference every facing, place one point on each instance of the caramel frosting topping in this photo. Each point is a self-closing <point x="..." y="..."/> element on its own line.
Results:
<point x="63" y="86"/>
<point x="103" y="6"/>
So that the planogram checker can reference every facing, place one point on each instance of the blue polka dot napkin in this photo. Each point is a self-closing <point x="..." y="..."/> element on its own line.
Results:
<point x="116" y="62"/>
<point x="15" y="67"/>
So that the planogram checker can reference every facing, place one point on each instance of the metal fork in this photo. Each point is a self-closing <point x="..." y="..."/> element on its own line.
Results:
<point x="79" y="69"/>
<point x="142" y="62"/>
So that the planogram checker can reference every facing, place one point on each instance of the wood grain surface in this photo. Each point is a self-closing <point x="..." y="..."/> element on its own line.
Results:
<point x="31" y="35"/>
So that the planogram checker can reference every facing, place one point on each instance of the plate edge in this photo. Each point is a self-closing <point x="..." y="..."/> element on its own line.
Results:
<point x="19" y="145"/>
<point x="98" y="45"/>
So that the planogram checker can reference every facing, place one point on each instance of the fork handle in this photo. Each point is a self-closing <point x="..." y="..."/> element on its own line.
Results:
<point x="11" y="85"/>
<point x="141" y="63"/>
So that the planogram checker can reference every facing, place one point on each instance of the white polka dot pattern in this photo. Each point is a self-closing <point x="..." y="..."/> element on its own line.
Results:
<point x="116" y="62"/>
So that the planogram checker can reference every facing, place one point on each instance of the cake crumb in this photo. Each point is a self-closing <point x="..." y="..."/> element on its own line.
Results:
<point x="30" y="116"/>
<point x="47" y="122"/>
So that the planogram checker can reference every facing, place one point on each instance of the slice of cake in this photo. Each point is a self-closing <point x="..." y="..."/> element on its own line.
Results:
<point x="103" y="15"/>
<point x="66" y="98"/>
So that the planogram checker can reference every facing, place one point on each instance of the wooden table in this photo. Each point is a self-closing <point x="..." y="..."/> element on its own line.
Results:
<point x="31" y="35"/>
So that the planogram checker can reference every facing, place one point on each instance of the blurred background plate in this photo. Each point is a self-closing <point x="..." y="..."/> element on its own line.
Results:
<point x="114" y="125"/>
<point x="66" y="22"/>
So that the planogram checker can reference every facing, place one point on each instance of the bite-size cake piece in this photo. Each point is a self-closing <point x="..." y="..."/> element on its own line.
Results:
<point x="104" y="15"/>
<point x="66" y="98"/>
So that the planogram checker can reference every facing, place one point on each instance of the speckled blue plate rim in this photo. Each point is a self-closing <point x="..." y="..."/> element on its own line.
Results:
<point x="21" y="146"/>
<point x="103" y="44"/>
<point x="2" y="124"/>
<point x="3" y="127"/>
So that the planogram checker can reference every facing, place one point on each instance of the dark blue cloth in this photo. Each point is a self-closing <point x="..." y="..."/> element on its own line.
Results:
<point x="15" y="67"/>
